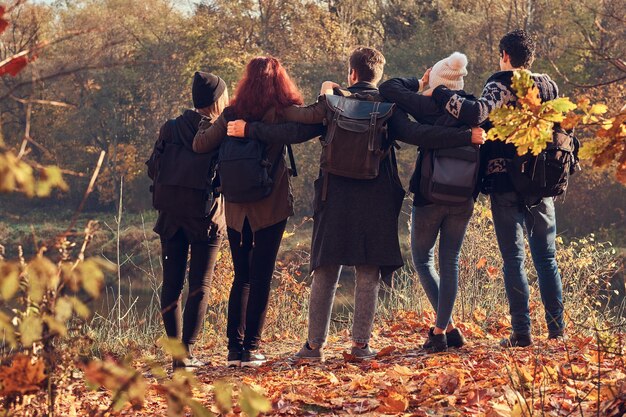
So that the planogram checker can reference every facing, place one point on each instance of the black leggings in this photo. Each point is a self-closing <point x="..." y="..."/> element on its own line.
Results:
<point x="201" y="266"/>
<point x="254" y="259"/>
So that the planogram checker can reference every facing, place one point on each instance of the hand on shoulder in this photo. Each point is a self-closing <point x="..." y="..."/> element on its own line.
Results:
<point x="237" y="128"/>
<point x="205" y="123"/>
<point x="425" y="78"/>
<point x="328" y="86"/>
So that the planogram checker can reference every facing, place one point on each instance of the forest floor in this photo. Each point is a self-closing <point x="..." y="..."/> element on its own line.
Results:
<point x="581" y="376"/>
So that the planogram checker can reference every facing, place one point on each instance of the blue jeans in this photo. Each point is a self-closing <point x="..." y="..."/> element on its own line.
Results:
<point x="540" y="223"/>
<point x="427" y="222"/>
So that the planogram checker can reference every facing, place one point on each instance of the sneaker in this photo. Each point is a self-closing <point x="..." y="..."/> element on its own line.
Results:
<point x="234" y="358"/>
<point x="455" y="339"/>
<point x="189" y="363"/>
<point x="364" y="353"/>
<point x="252" y="359"/>
<point x="436" y="342"/>
<point x="517" y="340"/>
<point x="307" y="354"/>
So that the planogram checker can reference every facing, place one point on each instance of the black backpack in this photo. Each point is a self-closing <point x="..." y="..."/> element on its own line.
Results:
<point x="447" y="176"/>
<point x="244" y="170"/>
<point x="546" y="174"/>
<point x="182" y="179"/>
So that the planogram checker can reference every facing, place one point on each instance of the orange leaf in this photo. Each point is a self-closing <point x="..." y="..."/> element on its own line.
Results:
<point x="393" y="402"/>
<point x="532" y="98"/>
<point x="571" y="121"/>
<point x="385" y="351"/>
<point x="481" y="263"/>
<point x="22" y="376"/>
<point x="492" y="272"/>
<point x="348" y="357"/>
<point x="450" y="381"/>
<point x="479" y="315"/>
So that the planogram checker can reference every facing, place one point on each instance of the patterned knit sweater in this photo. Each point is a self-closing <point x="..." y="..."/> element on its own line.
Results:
<point x="475" y="112"/>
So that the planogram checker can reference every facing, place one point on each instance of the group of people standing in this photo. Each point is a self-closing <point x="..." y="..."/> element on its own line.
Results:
<point x="355" y="220"/>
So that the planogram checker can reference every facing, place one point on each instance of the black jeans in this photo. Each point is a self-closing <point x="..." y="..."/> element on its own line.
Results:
<point x="254" y="259"/>
<point x="201" y="265"/>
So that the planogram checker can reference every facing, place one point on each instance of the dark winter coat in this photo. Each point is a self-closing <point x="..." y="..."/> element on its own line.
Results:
<point x="196" y="229"/>
<point x="270" y="210"/>
<point x="497" y="92"/>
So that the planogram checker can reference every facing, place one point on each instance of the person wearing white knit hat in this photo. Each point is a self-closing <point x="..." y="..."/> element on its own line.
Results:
<point x="449" y="72"/>
<point x="430" y="219"/>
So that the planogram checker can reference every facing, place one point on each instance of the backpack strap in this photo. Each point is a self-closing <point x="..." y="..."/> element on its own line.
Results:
<point x="392" y="155"/>
<point x="292" y="161"/>
<point x="373" y="116"/>
<point x="338" y="109"/>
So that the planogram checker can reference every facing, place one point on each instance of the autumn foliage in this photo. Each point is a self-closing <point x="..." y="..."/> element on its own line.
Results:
<point x="529" y="125"/>
<point x="49" y="365"/>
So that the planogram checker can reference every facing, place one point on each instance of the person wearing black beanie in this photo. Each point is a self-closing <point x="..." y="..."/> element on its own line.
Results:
<point x="207" y="88"/>
<point x="191" y="218"/>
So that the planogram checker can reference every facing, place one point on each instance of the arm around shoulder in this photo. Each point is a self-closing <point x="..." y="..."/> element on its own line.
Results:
<point x="286" y="133"/>
<point x="427" y="136"/>
<point x="469" y="110"/>
<point x="209" y="136"/>
<point x="311" y="114"/>
<point x="403" y="92"/>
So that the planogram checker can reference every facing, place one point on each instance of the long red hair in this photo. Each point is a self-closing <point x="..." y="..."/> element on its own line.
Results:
<point x="264" y="85"/>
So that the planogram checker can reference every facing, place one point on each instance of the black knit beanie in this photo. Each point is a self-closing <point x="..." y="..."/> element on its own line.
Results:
<point x="206" y="89"/>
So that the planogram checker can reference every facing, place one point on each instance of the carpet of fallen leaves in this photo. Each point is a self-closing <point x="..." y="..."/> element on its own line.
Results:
<point x="558" y="378"/>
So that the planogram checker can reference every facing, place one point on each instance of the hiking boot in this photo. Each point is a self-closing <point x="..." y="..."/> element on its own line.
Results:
<point x="252" y="359"/>
<point x="427" y="344"/>
<point x="455" y="339"/>
<point x="234" y="358"/>
<point x="189" y="363"/>
<point x="307" y="354"/>
<point x="436" y="342"/>
<point x="517" y="340"/>
<point x="363" y="354"/>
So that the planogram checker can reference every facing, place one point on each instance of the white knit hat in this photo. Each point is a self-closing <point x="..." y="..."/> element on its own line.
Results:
<point x="449" y="72"/>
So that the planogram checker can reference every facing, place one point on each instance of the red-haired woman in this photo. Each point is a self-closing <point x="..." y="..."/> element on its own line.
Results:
<point x="265" y="93"/>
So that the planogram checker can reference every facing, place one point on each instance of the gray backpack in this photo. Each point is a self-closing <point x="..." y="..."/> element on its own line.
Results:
<point x="449" y="176"/>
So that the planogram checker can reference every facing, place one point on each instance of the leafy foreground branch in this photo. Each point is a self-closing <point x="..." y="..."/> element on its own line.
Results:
<point x="529" y="125"/>
<point x="44" y="305"/>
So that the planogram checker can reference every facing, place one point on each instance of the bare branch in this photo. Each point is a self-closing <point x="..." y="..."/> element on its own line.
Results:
<point x="69" y="72"/>
<point x="570" y="82"/>
<point x="88" y="191"/>
<point x="43" y="102"/>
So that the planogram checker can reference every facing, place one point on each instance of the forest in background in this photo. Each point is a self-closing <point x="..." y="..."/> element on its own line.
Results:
<point x="84" y="86"/>
<point x="132" y="63"/>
